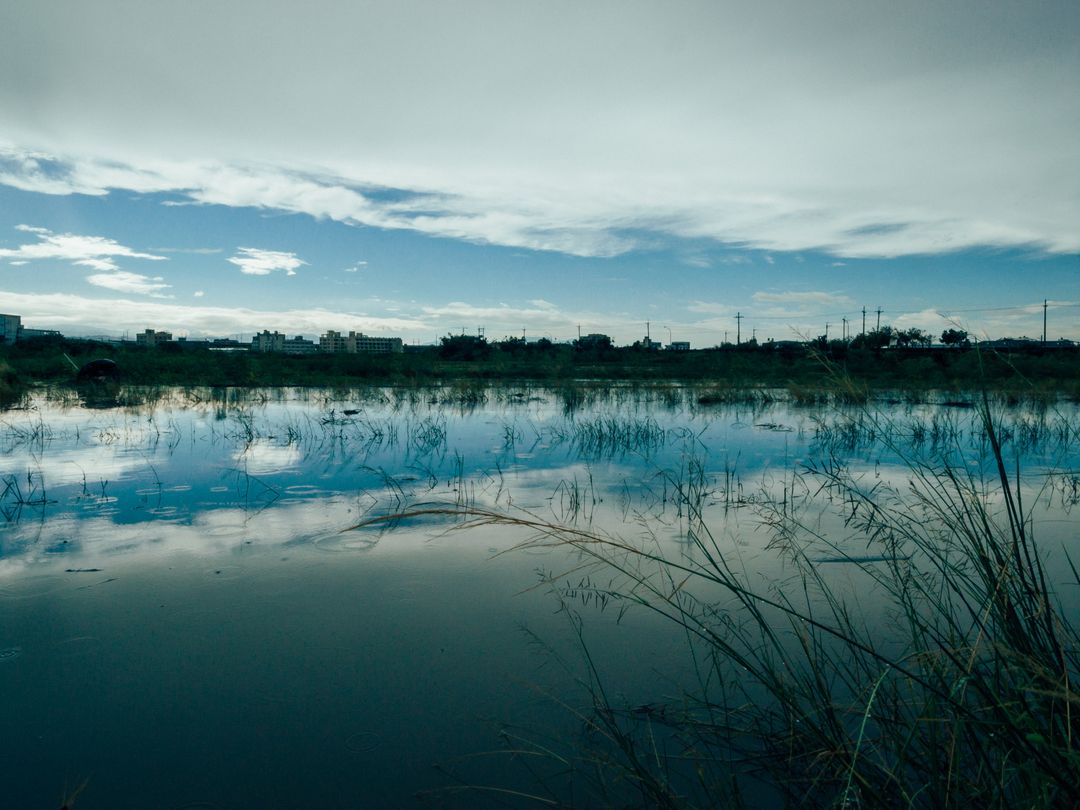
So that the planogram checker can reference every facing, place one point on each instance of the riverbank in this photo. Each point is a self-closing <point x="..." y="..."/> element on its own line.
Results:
<point x="804" y="371"/>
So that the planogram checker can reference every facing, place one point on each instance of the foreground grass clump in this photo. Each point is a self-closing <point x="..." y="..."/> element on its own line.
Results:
<point x="946" y="679"/>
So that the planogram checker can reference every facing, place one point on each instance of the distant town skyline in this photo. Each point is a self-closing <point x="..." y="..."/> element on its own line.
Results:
<point x="416" y="169"/>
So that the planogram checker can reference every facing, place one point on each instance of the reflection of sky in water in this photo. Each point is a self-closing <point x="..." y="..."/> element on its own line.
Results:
<point x="186" y="614"/>
<point x="203" y="475"/>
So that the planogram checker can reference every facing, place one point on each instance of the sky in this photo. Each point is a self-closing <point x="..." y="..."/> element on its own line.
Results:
<point x="415" y="169"/>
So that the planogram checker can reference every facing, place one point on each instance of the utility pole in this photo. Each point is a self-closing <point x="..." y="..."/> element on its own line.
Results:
<point x="864" y="320"/>
<point x="579" y="332"/>
<point x="879" y="311"/>
<point x="725" y="336"/>
<point x="648" y="335"/>
<point x="826" y="334"/>
<point x="1044" y="322"/>
<point x="843" y="329"/>
<point x="753" y="337"/>
<point x="668" y="334"/>
<point x="738" y="328"/>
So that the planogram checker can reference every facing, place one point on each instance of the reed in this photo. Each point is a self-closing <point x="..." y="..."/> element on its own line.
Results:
<point x="955" y="687"/>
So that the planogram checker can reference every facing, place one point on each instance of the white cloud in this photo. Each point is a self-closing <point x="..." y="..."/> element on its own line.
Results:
<point x="125" y="282"/>
<point x="95" y="252"/>
<point x="75" y="315"/>
<point x="199" y="293"/>
<point x="256" y="262"/>
<point x="802" y="299"/>
<point x="356" y="267"/>
<point x="745" y="124"/>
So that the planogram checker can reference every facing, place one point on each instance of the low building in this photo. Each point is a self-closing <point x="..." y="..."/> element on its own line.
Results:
<point x="300" y="345"/>
<point x="359" y="343"/>
<point x="30" y="334"/>
<point x="679" y="346"/>
<point x="151" y="338"/>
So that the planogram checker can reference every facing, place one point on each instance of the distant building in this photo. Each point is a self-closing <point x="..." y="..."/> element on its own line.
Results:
<point x="29" y="334"/>
<point x="266" y="341"/>
<point x="679" y="346"/>
<point x="332" y="342"/>
<point x="649" y="344"/>
<point x="300" y="345"/>
<point x="9" y="327"/>
<point x="227" y="345"/>
<point x="358" y="342"/>
<point x="151" y="338"/>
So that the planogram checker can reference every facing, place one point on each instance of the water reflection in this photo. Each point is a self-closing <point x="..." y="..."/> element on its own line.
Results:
<point x="219" y="546"/>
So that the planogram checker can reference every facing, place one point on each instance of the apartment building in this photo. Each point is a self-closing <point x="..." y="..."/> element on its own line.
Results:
<point x="358" y="342"/>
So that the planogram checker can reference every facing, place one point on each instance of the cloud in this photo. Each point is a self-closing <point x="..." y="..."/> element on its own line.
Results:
<point x="817" y="298"/>
<point x="122" y="281"/>
<point x="95" y="252"/>
<point x="356" y="267"/>
<point x="256" y="262"/>
<point x="75" y="315"/>
<point x="199" y="293"/>
<point x="744" y="124"/>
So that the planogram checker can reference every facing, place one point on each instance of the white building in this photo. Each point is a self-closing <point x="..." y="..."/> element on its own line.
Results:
<point x="265" y="341"/>
<point x="358" y="342"/>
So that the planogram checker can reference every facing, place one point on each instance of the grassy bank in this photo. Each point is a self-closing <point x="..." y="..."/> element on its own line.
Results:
<point x="46" y="361"/>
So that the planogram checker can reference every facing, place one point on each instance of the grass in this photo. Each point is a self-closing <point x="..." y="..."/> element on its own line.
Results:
<point x="946" y="679"/>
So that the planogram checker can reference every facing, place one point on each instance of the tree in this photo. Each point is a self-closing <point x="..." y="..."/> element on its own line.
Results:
<point x="464" y="347"/>
<point x="874" y="339"/>
<point x="913" y="337"/>
<point x="955" y="337"/>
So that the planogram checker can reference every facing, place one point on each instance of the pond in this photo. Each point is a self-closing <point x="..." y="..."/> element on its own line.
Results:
<point x="390" y="597"/>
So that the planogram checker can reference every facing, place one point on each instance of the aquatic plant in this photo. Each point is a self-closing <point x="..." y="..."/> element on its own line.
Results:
<point x="953" y="687"/>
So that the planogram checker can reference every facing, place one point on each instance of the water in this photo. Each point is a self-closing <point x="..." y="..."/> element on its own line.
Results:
<point x="189" y="617"/>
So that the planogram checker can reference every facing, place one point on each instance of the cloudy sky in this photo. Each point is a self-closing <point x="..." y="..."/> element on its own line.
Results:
<point x="416" y="168"/>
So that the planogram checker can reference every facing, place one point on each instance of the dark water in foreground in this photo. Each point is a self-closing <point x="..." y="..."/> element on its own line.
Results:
<point x="187" y="619"/>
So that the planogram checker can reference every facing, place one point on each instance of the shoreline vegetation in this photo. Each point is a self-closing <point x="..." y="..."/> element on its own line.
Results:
<point x="940" y="671"/>
<point x="807" y="372"/>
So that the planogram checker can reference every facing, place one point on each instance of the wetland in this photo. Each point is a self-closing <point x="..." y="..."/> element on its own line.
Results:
<point x="520" y="595"/>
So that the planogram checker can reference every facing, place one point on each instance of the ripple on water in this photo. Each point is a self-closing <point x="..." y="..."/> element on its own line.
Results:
<point x="9" y="654"/>
<point x="225" y="572"/>
<point x="223" y="531"/>
<point x="32" y="587"/>
<point x="303" y="489"/>
<point x="361" y="742"/>
<point x="346" y="541"/>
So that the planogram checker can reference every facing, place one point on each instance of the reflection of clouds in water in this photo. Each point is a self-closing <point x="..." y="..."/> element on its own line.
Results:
<point x="263" y="456"/>
<point x="92" y="541"/>
<point x="73" y="465"/>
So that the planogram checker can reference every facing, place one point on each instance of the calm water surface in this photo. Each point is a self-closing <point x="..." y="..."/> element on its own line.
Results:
<point x="189" y="619"/>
